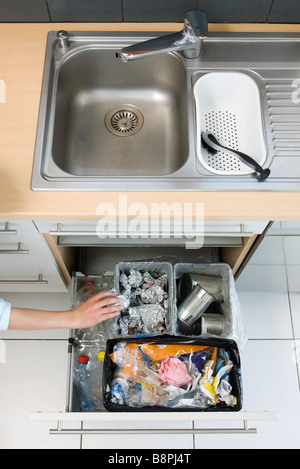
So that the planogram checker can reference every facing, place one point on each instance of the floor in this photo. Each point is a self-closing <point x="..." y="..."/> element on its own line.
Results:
<point x="33" y="366"/>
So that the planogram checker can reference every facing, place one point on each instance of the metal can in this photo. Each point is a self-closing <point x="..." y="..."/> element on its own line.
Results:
<point x="194" y="305"/>
<point x="213" y="324"/>
<point x="211" y="283"/>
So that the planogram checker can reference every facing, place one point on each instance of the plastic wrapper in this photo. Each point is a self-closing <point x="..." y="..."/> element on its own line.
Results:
<point x="228" y="302"/>
<point x="171" y="373"/>
<point x="146" y="289"/>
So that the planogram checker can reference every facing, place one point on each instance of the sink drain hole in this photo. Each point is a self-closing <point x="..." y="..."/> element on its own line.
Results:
<point x="124" y="121"/>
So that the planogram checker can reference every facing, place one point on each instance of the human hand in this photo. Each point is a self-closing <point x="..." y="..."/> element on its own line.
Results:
<point x="98" y="308"/>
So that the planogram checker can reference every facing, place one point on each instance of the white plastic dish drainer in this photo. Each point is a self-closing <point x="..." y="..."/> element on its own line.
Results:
<point x="228" y="105"/>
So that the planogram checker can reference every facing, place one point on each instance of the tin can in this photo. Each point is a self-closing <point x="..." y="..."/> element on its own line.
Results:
<point x="194" y="305"/>
<point x="213" y="324"/>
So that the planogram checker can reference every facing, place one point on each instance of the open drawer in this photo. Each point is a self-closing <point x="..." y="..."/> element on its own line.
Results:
<point x="97" y="266"/>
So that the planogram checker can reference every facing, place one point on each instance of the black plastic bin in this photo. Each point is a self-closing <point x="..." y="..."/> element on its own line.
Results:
<point x="235" y="374"/>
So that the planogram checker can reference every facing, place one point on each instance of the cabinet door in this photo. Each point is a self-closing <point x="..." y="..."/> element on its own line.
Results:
<point x="32" y="378"/>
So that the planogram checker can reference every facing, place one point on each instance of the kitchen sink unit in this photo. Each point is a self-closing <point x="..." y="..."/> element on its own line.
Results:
<point x="109" y="125"/>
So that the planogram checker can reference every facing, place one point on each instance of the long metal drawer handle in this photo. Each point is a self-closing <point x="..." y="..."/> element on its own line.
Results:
<point x="145" y="234"/>
<point x="7" y="230"/>
<point x="150" y="431"/>
<point x="39" y="281"/>
<point x="15" y="251"/>
<point x="242" y="232"/>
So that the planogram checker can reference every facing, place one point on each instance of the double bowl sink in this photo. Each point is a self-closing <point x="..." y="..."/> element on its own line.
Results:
<point x="109" y="125"/>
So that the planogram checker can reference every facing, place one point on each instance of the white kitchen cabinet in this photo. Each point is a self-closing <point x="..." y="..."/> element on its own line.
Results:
<point x="26" y="262"/>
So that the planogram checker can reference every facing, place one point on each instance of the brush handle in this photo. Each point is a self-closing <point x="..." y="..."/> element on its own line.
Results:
<point x="213" y="143"/>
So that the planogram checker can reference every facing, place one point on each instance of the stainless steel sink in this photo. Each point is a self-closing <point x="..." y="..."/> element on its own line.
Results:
<point x="113" y="119"/>
<point x="107" y="125"/>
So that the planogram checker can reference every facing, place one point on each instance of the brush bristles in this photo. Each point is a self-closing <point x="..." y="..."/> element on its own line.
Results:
<point x="210" y="150"/>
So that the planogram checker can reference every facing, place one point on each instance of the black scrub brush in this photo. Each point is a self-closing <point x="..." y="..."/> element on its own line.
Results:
<point x="209" y="141"/>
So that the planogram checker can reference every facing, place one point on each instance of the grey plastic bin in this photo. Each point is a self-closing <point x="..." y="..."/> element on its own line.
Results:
<point x="229" y="305"/>
<point x="149" y="266"/>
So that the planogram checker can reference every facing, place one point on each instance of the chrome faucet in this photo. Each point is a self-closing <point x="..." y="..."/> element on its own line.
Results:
<point x="62" y="37"/>
<point x="189" y="40"/>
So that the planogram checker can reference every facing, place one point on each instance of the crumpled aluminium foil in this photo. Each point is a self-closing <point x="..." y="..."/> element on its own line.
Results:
<point x="145" y="300"/>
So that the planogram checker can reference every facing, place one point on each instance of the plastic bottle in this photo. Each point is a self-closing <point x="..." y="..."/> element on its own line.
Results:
<point x="96" y="371"/>
<point x="82" y="384"/>
<point x="85" y="292"/>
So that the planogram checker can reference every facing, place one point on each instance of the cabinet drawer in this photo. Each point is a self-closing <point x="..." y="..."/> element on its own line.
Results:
<point x="93" y="263"/>
<point x="27" y="249"/>
<point x="15" y="227"/>
<point x="26" y="262"/>
<point x="21" y="245"/>
<point x="31" y="279"/>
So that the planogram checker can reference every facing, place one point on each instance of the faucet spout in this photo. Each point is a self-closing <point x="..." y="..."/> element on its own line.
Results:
<point x="189" y="40"/>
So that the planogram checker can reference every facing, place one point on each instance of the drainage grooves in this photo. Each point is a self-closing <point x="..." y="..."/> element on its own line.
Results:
<point x="124" y="121"/>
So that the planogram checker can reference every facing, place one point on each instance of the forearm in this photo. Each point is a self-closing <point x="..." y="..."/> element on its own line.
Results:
<point x="103" y="306"/>
<point x="34" y="319"/>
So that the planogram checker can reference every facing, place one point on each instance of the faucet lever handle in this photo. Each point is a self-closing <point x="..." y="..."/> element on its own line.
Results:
<point x="197" y="19"/>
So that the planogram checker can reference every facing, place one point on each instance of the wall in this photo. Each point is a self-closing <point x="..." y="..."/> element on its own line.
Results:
<point x="275" y="265"/>
<point x="218" y="11"/>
